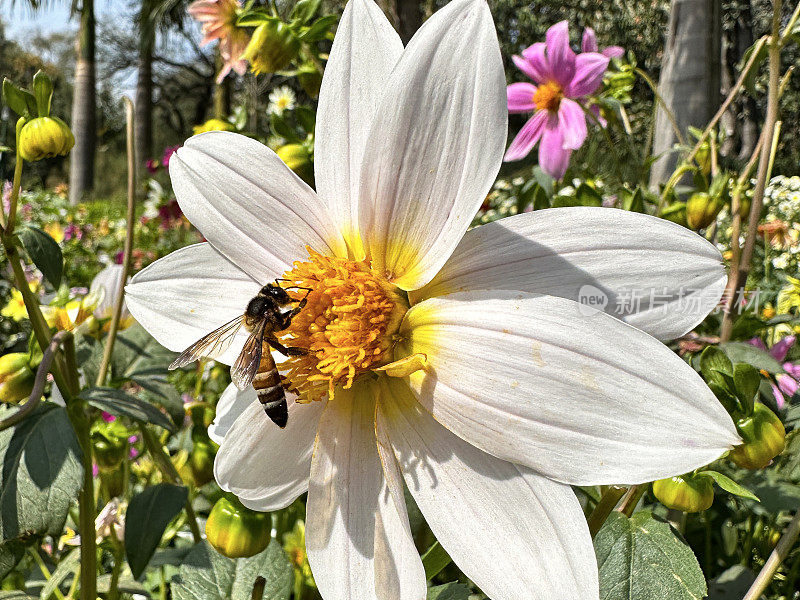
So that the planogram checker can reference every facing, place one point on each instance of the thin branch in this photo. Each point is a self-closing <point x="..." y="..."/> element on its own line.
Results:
<point x="778" y="555"/>
<point x="38" y="383"/>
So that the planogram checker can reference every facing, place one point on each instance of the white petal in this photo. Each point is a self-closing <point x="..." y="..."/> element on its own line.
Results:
<point x="582" y="398"/>
<point x="265" y="466"/>
<point x="187" y="294"/>
<point x="249" y="204"/>
<point x="232" y="403"/>
<point x="506" y="527"/>
<point x="364" y="52"/>
<point x="359" y="545"/>
<point x="653" y="274"/>
<point x="108" y="281"/>
<point x="435" y="145"/>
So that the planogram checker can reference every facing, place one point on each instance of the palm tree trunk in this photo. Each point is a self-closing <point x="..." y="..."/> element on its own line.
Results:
<point x="81" y="169"/>
<point x="690" y="77"/>
<point x="144" y="101"/>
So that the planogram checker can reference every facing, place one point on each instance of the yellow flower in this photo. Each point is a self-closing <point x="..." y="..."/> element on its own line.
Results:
<point x="55" y="231"/>
<point x="789" y="297"/>
<point x="73" y="313"/>
<point x="213" y="125"/>
<point x="15" y="309"/>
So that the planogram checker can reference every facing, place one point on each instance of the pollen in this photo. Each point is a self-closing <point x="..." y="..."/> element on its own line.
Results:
<point x="348" y="325"/>
<point x="548" y="96"/>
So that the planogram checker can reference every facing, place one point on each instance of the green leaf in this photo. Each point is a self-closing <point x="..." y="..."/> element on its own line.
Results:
<point x="44" y="252"/>
<point x="585" y="195"/>
<point x="634" y="202"/>
<point x="68" y="564"/>
<point x="11" y="552"/>
<point x="319" y="29"/>
<point x="207" y="575"/>
<point x="306" y="117"/>
<point x="42" y="474"/>
<point x="122" y="404"/>
<point x="148" y="515"/>
<point x="643" y="558"/>
<point x="43" y="92"/>
<point x="545" y="180"/>
<point x="742" y="352"/>
<point x="752" y="75"/>
<point x="449" y="591"/>
<point x="17" y="99"/>
<point x="714" y="364"/>
<point x="126" y="585"/>
<point x="434" y="560"/>
<point x="280" y="127"/>
<point x="747" y="380"/>
<point x="729" y="485"/>
<point x="304" y="10"/>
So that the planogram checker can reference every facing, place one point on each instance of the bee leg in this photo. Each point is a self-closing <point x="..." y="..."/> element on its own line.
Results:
<point x="286" y="351"/>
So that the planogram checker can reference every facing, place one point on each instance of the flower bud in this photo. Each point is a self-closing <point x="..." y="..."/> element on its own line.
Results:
<point x="213" y="125"/>
<point x="201" y="459"/>
<point x="702" y="209"/>
<point x="310" y="79"/>
<point x="676" y="213"/>
<point x="235" y="530"/>
<point x="45" y="137"/>
<point x="272" y="47"/>
<point x="764" y="438"/>
<point x="703" y="158"/>
<point x="298" y="159"/>
<point x="16" y="377"/>
<point x="688" y="493"/>
<point x="109" y="451"/>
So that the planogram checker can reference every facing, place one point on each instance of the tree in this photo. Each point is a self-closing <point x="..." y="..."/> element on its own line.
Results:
<point x="84" y="106"/>
<point x="690" y="77"/>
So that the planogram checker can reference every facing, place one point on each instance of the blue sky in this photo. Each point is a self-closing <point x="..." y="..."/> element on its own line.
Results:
<point x="20" y="20"/>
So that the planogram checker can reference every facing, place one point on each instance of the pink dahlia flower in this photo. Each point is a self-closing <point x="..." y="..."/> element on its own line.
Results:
<point x="786" y="384"/>
<point x="589" y="44"/>
<point x="562" y="80"/>
<point x="218" y="18"/>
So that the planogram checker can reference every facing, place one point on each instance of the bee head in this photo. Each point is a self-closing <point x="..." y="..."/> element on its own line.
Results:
<point x="277" y="293"/>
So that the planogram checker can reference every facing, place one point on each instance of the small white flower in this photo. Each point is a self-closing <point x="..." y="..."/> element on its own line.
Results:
<point x="281" y="99"/>
<point x="518" y="393"/>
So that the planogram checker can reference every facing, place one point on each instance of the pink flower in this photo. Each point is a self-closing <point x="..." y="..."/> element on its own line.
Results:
<point x="152" y="165"/>
<point x="589" y="44"/>
<point x="168" y="152"/>
<point x="786" y="384"/>
<point x="219" y="23"/>
<point x="108" y="417"/>
<point x="558" y="120"/>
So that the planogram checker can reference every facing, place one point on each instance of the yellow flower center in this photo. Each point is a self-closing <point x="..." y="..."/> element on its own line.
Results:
<point x="548" y="96"/>
<point x="348" y="324"/>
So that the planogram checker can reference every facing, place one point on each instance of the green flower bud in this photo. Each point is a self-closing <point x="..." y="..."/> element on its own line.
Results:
<point x="45" y="137"/>
<point x="201" y="459"/>
<point x="688" y="493"/>
<point x="703" y="158"/>
<point x="235" y="530"/>
<point x="109" y="451"/>
<point x="272" y="47"/>
<point x="764" y="438"/>
<point x="676" y="213"/>
<point x="16" y="377"/>
<point x="310" y="79"/>
<point x="298" y="159"/>
<point x="702" y="210"/>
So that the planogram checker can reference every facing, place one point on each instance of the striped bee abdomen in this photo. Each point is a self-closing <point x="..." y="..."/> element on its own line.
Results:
<point x="269" y="389"/>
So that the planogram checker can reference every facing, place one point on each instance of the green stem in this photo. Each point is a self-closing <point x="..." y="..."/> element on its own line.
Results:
<point x="86" y="503"/>
<point x="12" y="209"/>
<point x="604" y="507"/>
<point x="34" y="552"/>
<point x="775" y="559"/>
<point x="632" y="498"/>
<point x="739" y="277"/>
<point x="128" y="249"/>
<point x="119" y="561"/>
<point x="170" y="473"/>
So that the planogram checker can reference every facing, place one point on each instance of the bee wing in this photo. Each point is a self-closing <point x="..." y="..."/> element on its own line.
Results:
<point x="246" y="366"/>
<point x="212" y="345"/>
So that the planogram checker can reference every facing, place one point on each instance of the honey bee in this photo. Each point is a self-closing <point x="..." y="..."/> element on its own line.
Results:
<point x="265" y="314"/>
